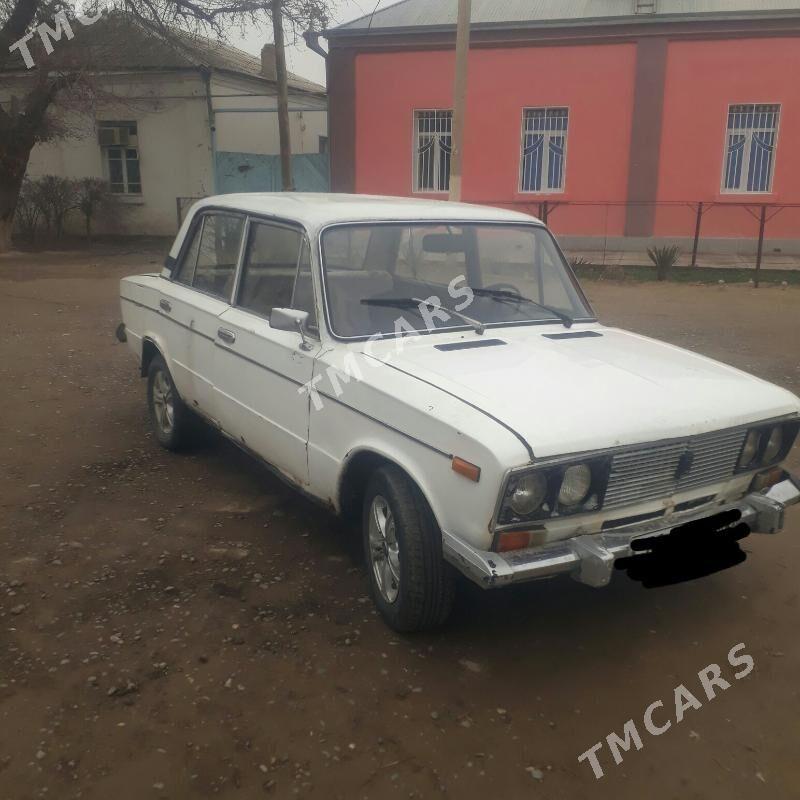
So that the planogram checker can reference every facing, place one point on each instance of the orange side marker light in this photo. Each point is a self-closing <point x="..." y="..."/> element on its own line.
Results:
<point x="466" y="469"/>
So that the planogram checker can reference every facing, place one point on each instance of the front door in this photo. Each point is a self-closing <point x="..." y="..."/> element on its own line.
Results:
<point x="259" y="372"/>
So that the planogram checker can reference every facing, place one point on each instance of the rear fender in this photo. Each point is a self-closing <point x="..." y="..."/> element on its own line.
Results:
<point x="152" y="345"/>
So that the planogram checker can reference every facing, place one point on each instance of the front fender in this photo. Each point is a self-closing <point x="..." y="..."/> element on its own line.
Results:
<point x="458" y="504"/>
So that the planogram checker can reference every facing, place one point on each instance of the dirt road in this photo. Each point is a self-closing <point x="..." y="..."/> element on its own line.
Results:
<point x="187" y="627"/>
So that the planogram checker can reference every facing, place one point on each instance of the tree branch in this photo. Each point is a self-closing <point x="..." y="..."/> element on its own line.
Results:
<point x="16" y="26"/>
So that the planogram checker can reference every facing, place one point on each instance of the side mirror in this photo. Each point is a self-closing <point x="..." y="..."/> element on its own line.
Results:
<point x="288" y="319"/>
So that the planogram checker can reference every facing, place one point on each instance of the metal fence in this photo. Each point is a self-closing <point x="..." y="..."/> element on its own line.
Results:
<point x="711" y="233"/>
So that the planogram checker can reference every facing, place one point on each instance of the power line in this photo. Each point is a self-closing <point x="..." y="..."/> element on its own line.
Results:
<point x="372" y="16"/>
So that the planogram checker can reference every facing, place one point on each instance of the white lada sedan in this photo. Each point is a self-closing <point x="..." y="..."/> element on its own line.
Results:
<point x="435" y="371"/>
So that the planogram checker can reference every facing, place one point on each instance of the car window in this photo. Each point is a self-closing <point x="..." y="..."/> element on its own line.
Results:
<point x="188" y="264"/>
<point x="529" y="265"/>
<point x="414" y="261"/>
<point x="220" y="243"/>
<point x="348" y="250"/>
<point x="303" y="299"/>
<point x="374" y="275"/>
<point x="277" y="271"/>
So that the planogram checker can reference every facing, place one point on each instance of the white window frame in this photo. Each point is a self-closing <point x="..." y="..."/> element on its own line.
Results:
<point x="415" y="176"/>
<point x="748" y="132"/>
<point x="545" y="151"/>
<point x="105" y="153"/>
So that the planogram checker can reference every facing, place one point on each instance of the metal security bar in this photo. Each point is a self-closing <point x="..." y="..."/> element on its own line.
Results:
<point x="433" y="145"/>
<point x="544" y="149"/>
<point x="750" y="154"/>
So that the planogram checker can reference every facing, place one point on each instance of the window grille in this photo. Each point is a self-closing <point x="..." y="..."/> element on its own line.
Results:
<point x="433" y="146"/>
<point x="544" y="149"/>
<point x="751" y="141"/>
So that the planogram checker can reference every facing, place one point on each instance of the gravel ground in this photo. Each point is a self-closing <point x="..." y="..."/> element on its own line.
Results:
<point x="188" y="627"/>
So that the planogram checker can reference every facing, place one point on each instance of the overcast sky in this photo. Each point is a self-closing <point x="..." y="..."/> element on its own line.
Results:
<point x="300" y="59"/>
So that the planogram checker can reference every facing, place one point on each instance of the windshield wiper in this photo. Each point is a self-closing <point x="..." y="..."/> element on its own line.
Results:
<point x="414" y="303"/>
<point x="504" y="296"/>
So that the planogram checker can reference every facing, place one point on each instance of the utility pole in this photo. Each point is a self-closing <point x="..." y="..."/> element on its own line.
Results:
<point x="762" y="224"/>
<point x="460" y="97"/>
<point x="283" y="96"/>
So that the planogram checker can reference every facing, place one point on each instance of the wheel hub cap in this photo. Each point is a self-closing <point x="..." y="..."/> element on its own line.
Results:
<point x="384" y="550"/>
<point x="163" y="403"/>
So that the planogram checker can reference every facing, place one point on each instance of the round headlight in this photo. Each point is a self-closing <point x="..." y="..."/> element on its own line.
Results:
<point x="575" y="486"/>
<point x="774" y="445"/>
<point x="529" y="494"/>
<point x="750" y="449"/>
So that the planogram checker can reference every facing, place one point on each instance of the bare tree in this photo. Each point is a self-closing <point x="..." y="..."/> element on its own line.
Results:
<point x="52" y="75"/>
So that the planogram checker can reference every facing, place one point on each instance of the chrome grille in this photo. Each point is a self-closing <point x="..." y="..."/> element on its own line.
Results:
<point x="652" y="473"/>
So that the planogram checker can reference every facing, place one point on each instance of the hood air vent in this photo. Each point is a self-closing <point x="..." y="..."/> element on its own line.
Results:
<point x="472" y="345"/>
<point x="576" y="335"/>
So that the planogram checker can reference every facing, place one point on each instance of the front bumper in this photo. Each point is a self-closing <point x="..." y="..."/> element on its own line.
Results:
<point x="590" y="559"/>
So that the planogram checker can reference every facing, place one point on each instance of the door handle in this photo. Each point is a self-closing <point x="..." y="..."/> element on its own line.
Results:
<point x="229" y="337"/>
<point x="166" y="305"/>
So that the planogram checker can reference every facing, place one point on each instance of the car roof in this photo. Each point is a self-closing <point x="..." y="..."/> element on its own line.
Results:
<point x="316" y="211"/>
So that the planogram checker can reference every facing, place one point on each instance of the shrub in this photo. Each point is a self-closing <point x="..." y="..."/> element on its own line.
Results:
<point x="28" y="211"/>
<point x="93" y="199"/>
<point x="55" y="196"/>
<point x="664" y="258"/>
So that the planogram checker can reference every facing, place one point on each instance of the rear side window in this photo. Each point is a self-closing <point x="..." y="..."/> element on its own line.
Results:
<point x="210" y="262"/>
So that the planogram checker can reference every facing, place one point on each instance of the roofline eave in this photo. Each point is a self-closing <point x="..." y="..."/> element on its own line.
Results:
<point x="586" y="22"/>
<point x="248" y="76"/>
<point x="320" y="93"/>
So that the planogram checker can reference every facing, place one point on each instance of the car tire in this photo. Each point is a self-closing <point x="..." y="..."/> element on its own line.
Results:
<point x="169" y="416"/>
<point x="412" y="585"/>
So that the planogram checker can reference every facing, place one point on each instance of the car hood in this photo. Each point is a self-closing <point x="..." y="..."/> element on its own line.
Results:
<point x="570" y="395"/>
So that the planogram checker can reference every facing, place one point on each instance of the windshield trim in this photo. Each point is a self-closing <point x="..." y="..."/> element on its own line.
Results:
<point x="455" y="328"/>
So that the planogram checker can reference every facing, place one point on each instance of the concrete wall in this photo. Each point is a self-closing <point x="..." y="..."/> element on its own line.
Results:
<point x="647" y="127"/>
<point x="502" y="82"/>
<point x="702" y="80"/>
<point x="257" y="133"/>
<point x="171" y="112"/>
<point x="174" y="149"/>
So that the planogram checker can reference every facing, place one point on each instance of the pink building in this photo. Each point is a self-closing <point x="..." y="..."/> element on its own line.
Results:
<point x="621" y="116"/>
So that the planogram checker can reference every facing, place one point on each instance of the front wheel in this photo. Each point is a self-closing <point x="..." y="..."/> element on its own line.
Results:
<point x="168" y="414"/>
<point x="412" y="585"/>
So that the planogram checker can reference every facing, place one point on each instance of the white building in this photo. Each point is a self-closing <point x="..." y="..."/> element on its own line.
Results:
<point x="168" y="109"/>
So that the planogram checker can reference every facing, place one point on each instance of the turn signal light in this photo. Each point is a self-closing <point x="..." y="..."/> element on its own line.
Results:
<point x="466" y="469"/>
<point x="514" y="540"/>
<point x="765" y="480"/>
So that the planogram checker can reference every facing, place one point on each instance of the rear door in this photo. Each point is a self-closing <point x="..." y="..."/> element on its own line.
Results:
<point x="259" y="371"/>
<point x="198" y="294"/>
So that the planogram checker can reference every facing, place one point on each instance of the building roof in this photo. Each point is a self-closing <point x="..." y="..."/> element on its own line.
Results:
<point x="315" y="211"/>
<point x="217" y="55"/>
<point x="120" y="42"/>
<point x="419" y="15"/>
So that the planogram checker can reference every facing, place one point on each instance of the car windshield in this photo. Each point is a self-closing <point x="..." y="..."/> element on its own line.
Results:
<point x="394" y="278"/>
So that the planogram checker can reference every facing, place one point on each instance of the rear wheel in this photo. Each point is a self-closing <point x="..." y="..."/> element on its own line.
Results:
<point x="168" y="414"/>
<point x="412" y="585"/>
